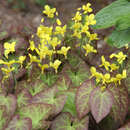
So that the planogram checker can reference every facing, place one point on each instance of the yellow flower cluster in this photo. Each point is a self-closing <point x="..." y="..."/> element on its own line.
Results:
<point x="109" y="77"/>
<point x="81" y="28"/>
<point x="9" y="64"/>
<point x="50" y="40"/>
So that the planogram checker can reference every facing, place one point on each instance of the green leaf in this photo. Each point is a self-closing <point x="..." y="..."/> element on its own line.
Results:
<point x="119" y="38"/>
<point x="63" y="82"/>
<point x="37" y="87"/>
<point x="123" y="22"/>
<point x="79" y="76"/>
<point x="3" y="117"/>
<point x="100" y="103"/>
<point x="70" y="103"/>
<point x="23" y="98"/>
<point x="65" y="122"/>
<point x="37" y="112"/>
<point x="82" y="98"/>
<point x="49" y="96"/>
<point x="109" y="15"/>
<point x="19" y="124"/>
<point x="10" y="103"/>
<point x="49" y="78"/>
<point x="120" y="105"/>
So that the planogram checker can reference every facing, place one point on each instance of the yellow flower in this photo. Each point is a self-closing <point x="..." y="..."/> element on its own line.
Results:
<point x="90" y="20"/>
<point x="87" y="8"/>
<point x="43" y="51"/>
<point x="9" y="63"/>
<point x="33" y="59"/>
<point x="106" y="78"/>
<point x="43" y="31"/>
<point x="63" y="51"/>
<point x="76" y="26"/>
<point x="88" y="48"/>
<point x="85" y="29"/>
<point x="43" y="67"/>
<point x="105" y="63"/>
<point x="21" y="59"/>
<point x="42" y="20"/>
<point x="120" y="57"/>
<point x="9" y="47"/>
<point x="7" y="72"/>
<point x="77" y="34"/>
<point x="114" y="67"/>
<point x="103" y="88"/>
<point x="32" y="46"/>
<point x="77" y="17"/>
<point x="60" y="30"/>
<point x="54" y="42"/>
<point x="119" y="77"/>
<point x="96" y="74"/>
<point x="55" y="65"/>
<point x="58" y="22"/>
<point x="93" y="37"/>
<point x="49" y="12"/>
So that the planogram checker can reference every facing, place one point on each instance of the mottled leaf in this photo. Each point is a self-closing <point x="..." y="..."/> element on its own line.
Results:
<point x="82" y="98"/>
<point x="100" y="103"/>
<point x="120" y="105"/>
<point x="70" y="103"/>
<point x="49" y="96"/>
<point x="8" y="101"/>
<point x="63" y="82"/>
<point x="65" y="122"/>
<point x="79" y="76"/>
<point x="23" y="98"/>
<point x="36" y="112"/>
<point x="19" y="124"/>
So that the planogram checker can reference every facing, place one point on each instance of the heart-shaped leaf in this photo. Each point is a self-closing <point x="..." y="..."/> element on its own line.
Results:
<point x="65" y="122"/>
<point x="23" y="98"/>
<point x="36" y="112"/>
<point x="19" y="124"/>
<point x="10" y="103"/>
<point x="100" y="103"/>
<point x="49" y="96"/>
<point x="120" y="105"/>
<point x="82" y="98"/>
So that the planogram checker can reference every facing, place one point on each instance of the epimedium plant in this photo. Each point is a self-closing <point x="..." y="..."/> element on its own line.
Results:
<point x="77" y="97"/>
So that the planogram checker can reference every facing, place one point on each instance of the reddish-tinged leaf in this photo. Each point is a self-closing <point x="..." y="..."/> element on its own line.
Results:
<point x="49" y="96"/>
<point x="125" y="127"/>
<point x="3" y="117"/>
<point x="19" y="124"/>
<point x="100" y="103"/>
<point x="37" y="113"/>
<point x="10" y="103"/>
<point x="82" y="98"/>
<point x="65" y="122"/>
<point x="120" y="105"/>
<point x="23" y="98"/>
<point x="63" y="82"/>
